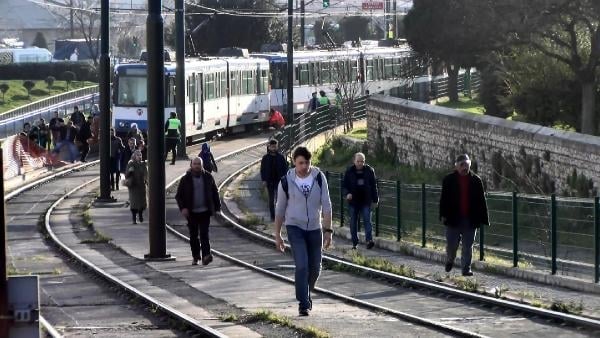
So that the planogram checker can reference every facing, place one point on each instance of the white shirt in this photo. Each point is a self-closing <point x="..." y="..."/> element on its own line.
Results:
<point x="305" y="184"/>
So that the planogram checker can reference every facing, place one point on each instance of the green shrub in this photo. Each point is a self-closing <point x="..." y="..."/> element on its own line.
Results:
<point x="4" y="88"/>
<point x="50" y="81"/>
<point x="28" y="84"/>
<point x="40" y="71"/>
<point x="68" y="77"/>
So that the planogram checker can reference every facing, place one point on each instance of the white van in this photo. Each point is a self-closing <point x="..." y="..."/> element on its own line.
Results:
<point x="21" y="55"/>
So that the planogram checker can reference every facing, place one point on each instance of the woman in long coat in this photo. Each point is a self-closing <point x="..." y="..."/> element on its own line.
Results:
<point x="137" y="175"/>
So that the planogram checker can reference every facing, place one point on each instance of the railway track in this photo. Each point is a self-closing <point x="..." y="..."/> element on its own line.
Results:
<point x="433" y="312"/>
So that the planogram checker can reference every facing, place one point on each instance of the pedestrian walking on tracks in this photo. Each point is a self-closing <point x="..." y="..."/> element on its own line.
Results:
<point x="360" y="189"/>
<point x="198" y="199"/>
<point x="136" y="179"/>
<point x="116" y="154"/>
<point x="272" y="167"/>
<point x="302" y="198"/>
<point x="208" y="160"/>
<point x="172" y="135"/>
<point x="463" y="209"/>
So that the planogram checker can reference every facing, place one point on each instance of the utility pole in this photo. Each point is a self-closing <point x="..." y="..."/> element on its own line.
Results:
<point x="156" y="135"/>
<point x="71" y="15"/>
<point x="104" y="137"/>
<point x="290" y="72"/>
<point x="302" y="11"/>
<point x="180" y="75"/>
<point x="4" y="315"/>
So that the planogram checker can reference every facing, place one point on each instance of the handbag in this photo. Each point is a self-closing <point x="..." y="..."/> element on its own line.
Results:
<point x="127" y="182"/>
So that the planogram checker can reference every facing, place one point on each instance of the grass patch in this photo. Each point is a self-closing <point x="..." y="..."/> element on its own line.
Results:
<point x="13" y="271"/>
<point x="466" y="284"/>
<point x="377" y="263"/>
<point x="466" y="104"/>
<point x="16" y="96"/>
<point x="570" y="307"/>
<point x="87" y="219"/>
<point x="358" y="133"/>
<point x="334" y="156"/>
<point x="271" y="317"/>
<point x="229" y="318"/>
<point x="98" y="238"/>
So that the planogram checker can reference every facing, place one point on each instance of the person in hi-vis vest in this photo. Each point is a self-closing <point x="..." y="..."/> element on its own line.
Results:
<point x="172" y="135"/>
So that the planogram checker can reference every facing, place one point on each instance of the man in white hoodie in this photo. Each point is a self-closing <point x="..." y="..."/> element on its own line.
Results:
<point x="302" y="198"/>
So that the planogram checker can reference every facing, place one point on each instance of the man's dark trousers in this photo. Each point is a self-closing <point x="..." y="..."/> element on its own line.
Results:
<point x="272" y="192"/>
<point x="199" y="222"/>
<point x="466" y="232"/>
<point x="171" y="146"/>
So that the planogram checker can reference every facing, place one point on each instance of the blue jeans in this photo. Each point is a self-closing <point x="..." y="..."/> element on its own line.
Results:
<point x="306" y="249"/>
<point x="73" y="151"/>
<point x="365" y="213"/>
<point x="466" y="232"/>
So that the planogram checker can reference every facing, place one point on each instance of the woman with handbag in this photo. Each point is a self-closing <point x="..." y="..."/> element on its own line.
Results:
<point x="136" y="177"/>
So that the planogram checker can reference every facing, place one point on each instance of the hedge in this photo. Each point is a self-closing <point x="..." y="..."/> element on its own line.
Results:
<point x="40" y="71"/>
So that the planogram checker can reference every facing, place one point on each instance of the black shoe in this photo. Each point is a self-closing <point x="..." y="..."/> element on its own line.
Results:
<point x="172" y="163"/>
<point x="195" y="261"/>
<point x="449" y="266"/>
<point x="370" y="245"/>
<point x="467" y="273"/>
<point x="354" y="246"/>
<point x="303" y="312"/>
<point x="141" y="218"/>
<point x="207" y="259"/>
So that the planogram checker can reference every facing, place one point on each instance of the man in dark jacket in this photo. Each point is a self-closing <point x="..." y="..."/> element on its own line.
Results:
<point x="272" y="167"/>
<point x="198" y="199"/>
<point x="84" y="133"/>
<point x="77" y="117"/>
<point x="463" y="209"/>
<point x="360" y="189"/>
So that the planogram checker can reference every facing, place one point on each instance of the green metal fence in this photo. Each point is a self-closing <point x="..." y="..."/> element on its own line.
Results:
<point x="557" y="234"/>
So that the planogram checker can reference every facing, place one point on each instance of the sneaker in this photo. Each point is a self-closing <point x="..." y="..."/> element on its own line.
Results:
<point x="195" y="261"/>
<point x="303" y="312"/>
<point x="468" y="273"/>
<point x="207" y="259"/>
<point x="449" y="266"/>
<point x="370" y="245"/>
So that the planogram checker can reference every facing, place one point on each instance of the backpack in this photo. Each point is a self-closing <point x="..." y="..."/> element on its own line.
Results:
<point x="285" y="187"/>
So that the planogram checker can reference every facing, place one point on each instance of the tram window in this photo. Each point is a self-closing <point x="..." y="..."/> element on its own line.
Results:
<point x="223" y="84"/>
<point x="132" y="91"/>
<point x="325" y="72"/>
<point x="170" y="91"/>
<point x="397" y="67"/>
<point x="234" y="83"/>
<point x="209" y="86"/>
<point x="304" y="76"/>
<point x="263" y="84"/>
<point x="388" y="68"/>
<point x="245" y="82"/>
<point x="370" y="73"/>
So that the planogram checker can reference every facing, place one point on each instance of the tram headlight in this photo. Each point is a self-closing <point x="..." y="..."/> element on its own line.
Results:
<point x="122" y="124"/>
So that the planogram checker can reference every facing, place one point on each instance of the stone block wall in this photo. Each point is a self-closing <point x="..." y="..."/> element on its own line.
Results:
<point x="505" y="154"/>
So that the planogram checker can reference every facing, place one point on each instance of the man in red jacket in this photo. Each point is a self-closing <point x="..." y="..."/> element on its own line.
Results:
<point x="276" y="119"/>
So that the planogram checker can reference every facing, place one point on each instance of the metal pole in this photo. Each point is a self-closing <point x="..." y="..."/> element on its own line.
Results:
<point x="398" y="212"/>
<point x="376" y="215"/>
<point x="481" y="241"/>
<point x="156" y="135"/>
<point x="302" y="11"/>
<point x="104" y="137"/>
<point x="341" y="200"/>
<point x="290" y="68"/>
<point x="515" y="224"/>
<point x="596" y="237"/>
<point x="423" y="215"/>
<point x="180" y="75"/>
<point x="71" y="17"/>
<point x="553" y="232"/>
<point x="4" y="319"/>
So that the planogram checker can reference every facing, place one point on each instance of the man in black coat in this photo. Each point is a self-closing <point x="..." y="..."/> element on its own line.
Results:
<point x="360" y="189"/>
<point x="463" y="209"/>
<point x="198" y="199"/>
<point x="272" y="167"/>
<point x="84" y="133"/>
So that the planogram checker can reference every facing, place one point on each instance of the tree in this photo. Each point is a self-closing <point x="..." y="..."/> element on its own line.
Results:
<point x="129" y="46"/>
<point x="28" y="84"/>
<point x="86" y="18"/>
<point x="233" y="29"/>
<point x="457" y="32"/>
<point x="50" y="81"/>
<point x="4" y="87"/>
<point x="40" y="41"/>
<point x="354" y="28"/>
<point x="68" y="77"/>
<point x="569" y="31"/>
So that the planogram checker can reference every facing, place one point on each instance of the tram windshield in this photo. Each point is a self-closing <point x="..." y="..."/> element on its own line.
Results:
<point x="132" y="91"/>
